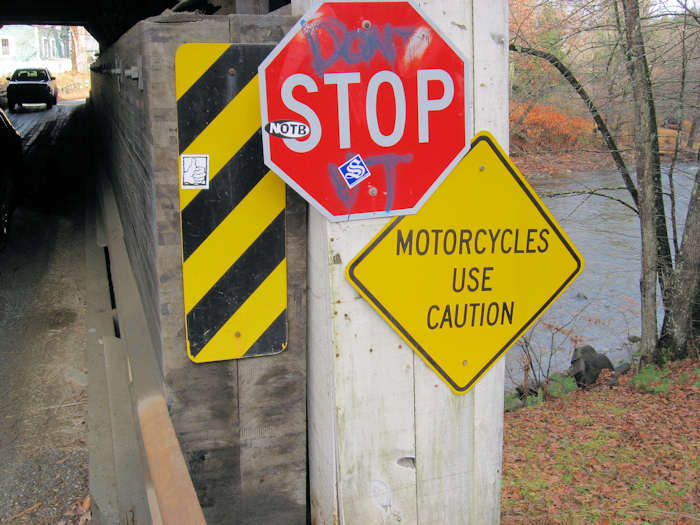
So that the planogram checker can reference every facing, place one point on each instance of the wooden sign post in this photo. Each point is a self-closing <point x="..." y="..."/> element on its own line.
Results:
<point x="389" y="442"/>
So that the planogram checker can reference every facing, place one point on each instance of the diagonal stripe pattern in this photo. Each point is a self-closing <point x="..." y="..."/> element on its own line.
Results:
<point x="233" y="233"/>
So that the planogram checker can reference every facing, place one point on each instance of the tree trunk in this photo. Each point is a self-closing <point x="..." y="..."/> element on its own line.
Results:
<point x="74" y="48"/>
<point x="646" y="146"/>
<point x="692" y="130"/>
<point x="685" y="282"/>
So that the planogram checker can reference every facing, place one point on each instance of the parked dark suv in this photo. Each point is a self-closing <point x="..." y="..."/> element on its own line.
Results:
<point x="30" y="85"/>
<point x="10" y="168"/>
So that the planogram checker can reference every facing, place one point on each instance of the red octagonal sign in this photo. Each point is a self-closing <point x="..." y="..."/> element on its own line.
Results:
<point x="364" y="108"/>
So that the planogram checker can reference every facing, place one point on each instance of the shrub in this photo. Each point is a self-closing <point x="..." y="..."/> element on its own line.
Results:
<point x="545" y="129"/>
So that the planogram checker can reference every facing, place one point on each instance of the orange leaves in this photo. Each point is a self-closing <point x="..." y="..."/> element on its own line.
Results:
<point x="543" y="128"/>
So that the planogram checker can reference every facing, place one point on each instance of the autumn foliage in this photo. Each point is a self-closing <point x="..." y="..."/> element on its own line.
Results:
<point x="539" y="128"/>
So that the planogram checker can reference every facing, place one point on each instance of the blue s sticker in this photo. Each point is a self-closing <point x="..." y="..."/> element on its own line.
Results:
<point x="354" y="171"/>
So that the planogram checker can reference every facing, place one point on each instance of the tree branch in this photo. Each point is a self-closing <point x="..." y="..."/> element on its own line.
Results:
<point x="689" y="11"/>
<point x="600" y="123"/>
<point x="595" y="193"/>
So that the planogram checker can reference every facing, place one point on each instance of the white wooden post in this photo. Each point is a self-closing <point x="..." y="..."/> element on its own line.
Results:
<point x="388" y="441"/>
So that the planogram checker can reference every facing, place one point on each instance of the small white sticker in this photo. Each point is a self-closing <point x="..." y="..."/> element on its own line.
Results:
<point x="194" y="172"/>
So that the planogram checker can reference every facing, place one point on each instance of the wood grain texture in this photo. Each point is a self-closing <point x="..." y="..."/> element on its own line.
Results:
<point x="361" y="383"/>
<point x="374" y="391"/>
<point x="491" y="114"/>
<point x="321" y="404"/>
<point x="272" y="404"/>
<point x="444" y="421"/>
<point x="101" y="468"/>
<point x="388" y="439"/>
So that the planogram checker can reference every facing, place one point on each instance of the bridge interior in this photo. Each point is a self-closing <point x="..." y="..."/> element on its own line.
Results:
<point x="242" y="436"/>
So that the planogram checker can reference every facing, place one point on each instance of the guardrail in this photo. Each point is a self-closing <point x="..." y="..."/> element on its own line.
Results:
<point x="137" y="471"/>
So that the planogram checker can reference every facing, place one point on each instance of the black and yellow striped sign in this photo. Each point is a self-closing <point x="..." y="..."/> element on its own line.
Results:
<point x="232" y="208"/>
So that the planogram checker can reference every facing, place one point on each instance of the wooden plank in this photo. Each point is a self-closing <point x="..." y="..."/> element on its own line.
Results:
<point x="272" y="403"/>
<point x="129" y="470"/>
<point x="361" y="381"/>
<point x="490" y="113"/>
<point x="99" y="318"/>
<point x="206" y="411"/>
<point x="321" y="406"/>
<point x="445" y="422"/>
<point x="171" y="494"/>
<point x="374" y="397"/>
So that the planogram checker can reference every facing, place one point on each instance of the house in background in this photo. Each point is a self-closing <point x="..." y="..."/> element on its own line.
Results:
<point x="45" y="46"/>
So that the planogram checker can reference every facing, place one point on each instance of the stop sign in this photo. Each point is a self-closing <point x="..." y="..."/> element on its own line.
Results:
<point x="363" y="106"/>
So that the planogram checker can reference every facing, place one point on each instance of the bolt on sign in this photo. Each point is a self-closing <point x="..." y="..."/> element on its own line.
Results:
<point x="232" y="208"/>
<point x="364" y="108"/>
<point x="463" y="278"/>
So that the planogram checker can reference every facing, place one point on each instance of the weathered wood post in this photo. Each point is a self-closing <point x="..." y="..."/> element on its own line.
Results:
<point x="388" y="440"/>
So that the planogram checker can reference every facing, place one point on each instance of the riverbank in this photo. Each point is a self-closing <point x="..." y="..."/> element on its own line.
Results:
<point x="553" y="163"/>
<point x="547" y="164"/>
<point x="623" y="454"/>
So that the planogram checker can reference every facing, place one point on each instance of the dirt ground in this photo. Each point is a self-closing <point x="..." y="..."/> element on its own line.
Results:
<point x="43" y="376"/>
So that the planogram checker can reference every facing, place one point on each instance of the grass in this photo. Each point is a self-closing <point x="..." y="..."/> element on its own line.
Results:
<point x="559" y="385"/>
<point x="623" y="454"/>
<point x="653" y="379"/>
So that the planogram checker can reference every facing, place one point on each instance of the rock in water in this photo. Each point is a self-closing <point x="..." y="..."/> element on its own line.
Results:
<point x="586" y="365"/>
<point x="622" y="368"/>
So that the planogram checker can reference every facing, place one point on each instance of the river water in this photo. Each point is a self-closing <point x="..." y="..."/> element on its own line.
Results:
<point x="601" y="308"/>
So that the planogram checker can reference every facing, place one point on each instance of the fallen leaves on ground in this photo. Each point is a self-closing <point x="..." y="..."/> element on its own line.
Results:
<point x="26" y="512"/>
<point x="607" y="455"/>
<point x="79" y="513"/>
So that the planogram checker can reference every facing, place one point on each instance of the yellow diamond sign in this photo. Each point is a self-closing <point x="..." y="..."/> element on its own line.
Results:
<point x="463" y="278"/>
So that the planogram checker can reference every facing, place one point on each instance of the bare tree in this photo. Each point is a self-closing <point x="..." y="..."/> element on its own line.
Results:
<point x="679" y="283"/>
<point x="74" y="47"/>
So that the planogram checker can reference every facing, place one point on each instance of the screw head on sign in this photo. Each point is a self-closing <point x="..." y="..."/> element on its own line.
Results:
<point x="231" y="71"/>
<point x="373" y="191"/>
<point x="366" y="24"/>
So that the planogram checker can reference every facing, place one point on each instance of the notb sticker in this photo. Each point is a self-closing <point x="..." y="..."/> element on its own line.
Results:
<point x="354" y="171"/>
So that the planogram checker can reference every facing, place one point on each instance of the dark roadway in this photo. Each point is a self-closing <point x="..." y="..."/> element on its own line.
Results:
<point x="43" y="380"/>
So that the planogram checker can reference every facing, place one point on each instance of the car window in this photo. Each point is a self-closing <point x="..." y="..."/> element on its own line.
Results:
<point x="29" y="75"/>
